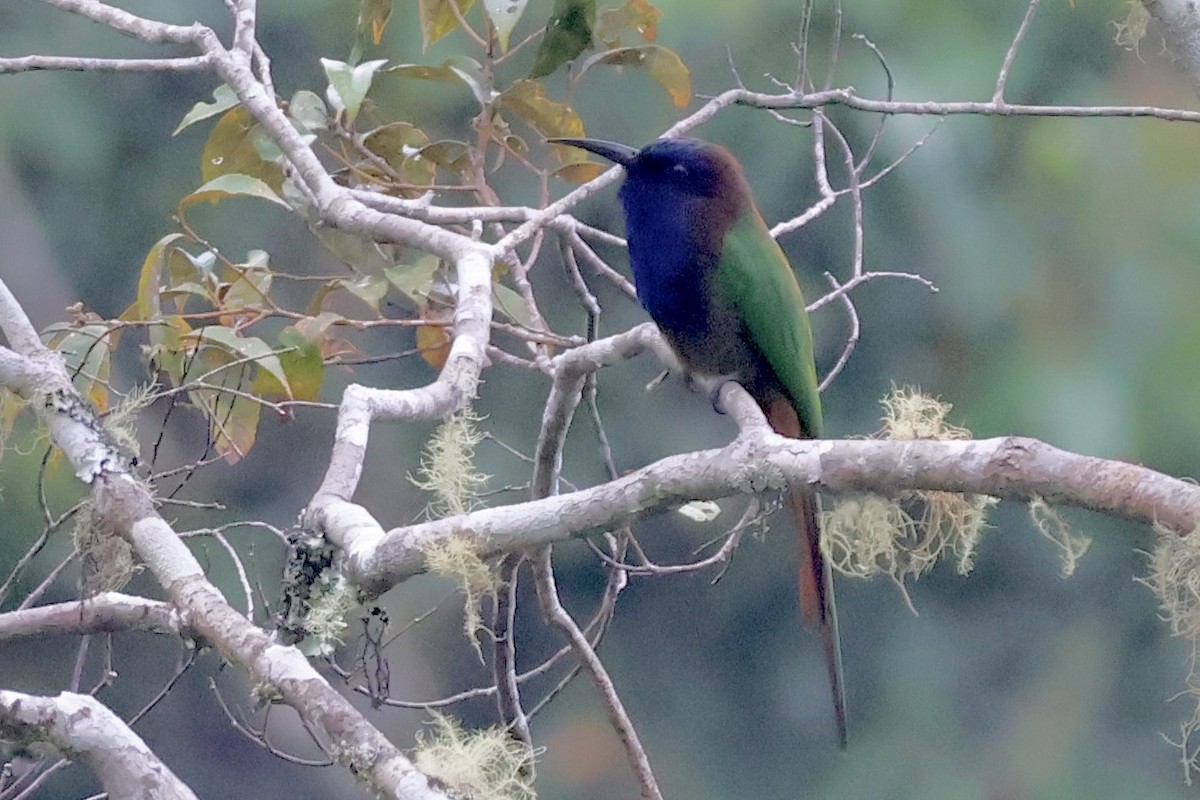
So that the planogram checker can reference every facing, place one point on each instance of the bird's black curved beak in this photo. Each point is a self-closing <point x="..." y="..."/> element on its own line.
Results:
<point x="621" y="154"/>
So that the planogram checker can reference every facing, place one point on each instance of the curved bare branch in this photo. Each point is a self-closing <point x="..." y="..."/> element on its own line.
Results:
<point x="82" y="727"/>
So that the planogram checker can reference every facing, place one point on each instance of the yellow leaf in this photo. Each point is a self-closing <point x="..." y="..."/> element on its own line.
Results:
<point x="399" y="144"/>
<point x="434" y="340"/>
<point x="663" y="64"/>
<point x="374" y="14"/>
<point x="527" y="99"/>
<point x="637" y="15"/>
<point x="579" y="172"/>
<point x="439" y="19"/>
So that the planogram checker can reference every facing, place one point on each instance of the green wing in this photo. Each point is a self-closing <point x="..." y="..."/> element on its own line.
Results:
<point x="759" y="282"/>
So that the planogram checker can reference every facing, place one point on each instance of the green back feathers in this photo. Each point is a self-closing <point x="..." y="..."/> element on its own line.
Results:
<point x="760" y="283"/>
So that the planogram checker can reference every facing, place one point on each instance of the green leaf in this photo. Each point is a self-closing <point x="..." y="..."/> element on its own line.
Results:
<point x="456" y="69"/>
<point x="147" y="306"/>
<point x="663" y="64"/>
<point x="504" y="15"/>
<point x="414" y="280"/>
<point x="225" y="186"/>
<point x="424" y="72"/>
<point x="226" y="360"/>
<point x="181" y="292"/>
<point x="636" y="15"/>
<point x="269" y="151"/>
<point x="568" y="33"/>
<point x="316" y="328"/>
<point x="198" y="268"/>
<point x="248" y="284"/>
<point x="360" y="253"/>
<point x="223" y="100"/>
<point x="470" y="72"/>
<point x="233" y="418"/>
<point x="307" y="111"/>
<point x="234" y="146"/>
<point x="302" y="362"/>
<point x="511" y="305"/>
<point x="250" y="348"/>
<point x="370" y="289"/>
<point x="527" y="99"/>
<point x="449" y="154"/>
<point x="349" y="84"/>
<point x="167" y="348"/>
<point x="438" y="18"/>
<point x="373" y="15"/>
<point x="516" y="144"/>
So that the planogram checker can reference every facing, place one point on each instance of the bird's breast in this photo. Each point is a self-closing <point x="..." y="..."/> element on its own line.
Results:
<point x="674" y="258"/>
<point x="671" y="268"/>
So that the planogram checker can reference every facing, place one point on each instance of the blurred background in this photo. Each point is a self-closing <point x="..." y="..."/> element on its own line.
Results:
<point x="1065" y="254"/>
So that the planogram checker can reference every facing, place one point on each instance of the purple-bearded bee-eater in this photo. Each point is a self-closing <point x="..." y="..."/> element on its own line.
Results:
<point x="725" y="297"/>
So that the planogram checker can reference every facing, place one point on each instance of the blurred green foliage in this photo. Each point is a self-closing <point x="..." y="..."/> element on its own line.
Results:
<point x="1065" y="253"/>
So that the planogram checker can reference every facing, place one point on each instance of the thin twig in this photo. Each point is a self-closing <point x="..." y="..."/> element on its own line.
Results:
<point x="869" y="153"/>
<point x="865" y="277"/>
<point x="558" y="616"/>
<point x="508" y="695"/>
<point x="853" y="174"/>
<point x="851" y="339"/>
<point x="601" y="266"/>
<point x="723" y="555"/>
<point x="1011" y="54"/>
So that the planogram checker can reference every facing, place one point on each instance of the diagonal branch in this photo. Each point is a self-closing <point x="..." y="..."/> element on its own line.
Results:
<point x="84" y="728"/>
<point x="127" y="505"/>
<point x="129" y="24"/>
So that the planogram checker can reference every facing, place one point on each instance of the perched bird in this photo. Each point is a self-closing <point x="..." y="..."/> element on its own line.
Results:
<point x="724" y="295"/>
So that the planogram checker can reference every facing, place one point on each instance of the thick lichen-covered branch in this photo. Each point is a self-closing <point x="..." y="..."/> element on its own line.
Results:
<point x="1013" y="468"/>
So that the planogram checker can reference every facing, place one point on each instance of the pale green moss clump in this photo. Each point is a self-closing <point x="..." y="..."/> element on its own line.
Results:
<point x="108" y="562"/>
<point x="328" y="604"/>
<point x="448" y="468"/>
<point x="1071" y="545"/>
<point x="448" y="471"/>
<point x="904" y="536"/>
<point x="455" y="558"/>
<point x="1175" y="578"/>
<point x="10" y="406"/>
<point x="872" y="535"/>
<point x="486" y="764"/>
<point x="121" y="421"/>
<point x="1132" y="29"/>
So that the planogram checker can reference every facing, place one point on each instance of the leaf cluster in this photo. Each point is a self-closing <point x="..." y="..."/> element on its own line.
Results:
<point x="229" y="334"/>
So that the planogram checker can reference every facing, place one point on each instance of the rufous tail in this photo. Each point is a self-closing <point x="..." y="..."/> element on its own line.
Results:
<point x="817" y="607"/>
